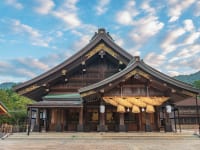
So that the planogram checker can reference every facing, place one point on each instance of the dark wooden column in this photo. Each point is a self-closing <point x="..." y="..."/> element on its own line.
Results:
<point x="37" y="125"/>
<point x="122" y="126"/>
<point x="80" y="124"/>
<point x="29" y="120"/>
<point x="140" y="121"/>
<point x="45" y="119"/>
<point x="198" y="115"/>
<point x="102" y="127"/>
<point x="168" y="125"/>
<point x="157" y="115"/>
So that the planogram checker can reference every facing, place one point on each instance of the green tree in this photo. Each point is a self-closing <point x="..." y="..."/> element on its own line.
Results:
<point x="16" y="106"/>
<point x="197" y="84"/>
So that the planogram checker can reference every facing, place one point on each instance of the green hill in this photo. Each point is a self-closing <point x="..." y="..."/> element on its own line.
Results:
<point x="7" y="85"/>
<point x="189" y="78"/>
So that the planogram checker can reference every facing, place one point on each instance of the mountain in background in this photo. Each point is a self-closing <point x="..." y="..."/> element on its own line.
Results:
<point x="189" y="78"/>
<point x="7" y="85"/>
<point x="184" y="78"/>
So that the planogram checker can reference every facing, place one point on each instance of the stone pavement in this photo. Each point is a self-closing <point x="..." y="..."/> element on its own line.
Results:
<point x="101" y="141"/>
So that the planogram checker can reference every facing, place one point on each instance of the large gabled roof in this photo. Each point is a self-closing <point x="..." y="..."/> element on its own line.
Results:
<point x="102" y="35"/>
<point x="135" y="66"/>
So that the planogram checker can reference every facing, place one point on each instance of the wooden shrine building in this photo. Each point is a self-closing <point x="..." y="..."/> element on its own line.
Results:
<point x="103" y="88"/>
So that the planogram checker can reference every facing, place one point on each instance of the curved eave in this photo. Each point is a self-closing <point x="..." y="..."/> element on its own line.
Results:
<point x="168" y="79"/>
<point x="74" y="57"/>
<point x="147" y="69"/>
<point x="3" y="109"/>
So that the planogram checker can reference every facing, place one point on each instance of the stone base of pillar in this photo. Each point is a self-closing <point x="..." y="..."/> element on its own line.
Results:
<point x="122" y="128"/>
<point x="36" y="128"/>
<point x="168" y="128"/>
<point x="80" y="128"/>
<point x="148" y="128"/>
<point x="102" y="128"/>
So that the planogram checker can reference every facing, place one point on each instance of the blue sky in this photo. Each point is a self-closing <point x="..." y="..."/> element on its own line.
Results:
<point x="36" y="35"/>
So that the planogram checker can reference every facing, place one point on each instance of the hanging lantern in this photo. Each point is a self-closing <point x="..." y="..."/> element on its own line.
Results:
<point x="102" y="108"/>
<point x="168" y="108"/>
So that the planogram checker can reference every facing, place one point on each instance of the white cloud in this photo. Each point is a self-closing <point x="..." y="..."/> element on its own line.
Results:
<point x="68" y="13"/>
<point x="70" y="19"/>
<point x="70" y="5"/>
<point x="101" y="7"/>
<point x="4" y="64"/>
<point x="125" y="16"/>
<point x="146" y="7"/>
<point x="192" y="38"/>
<point x="35" y="63"/>
<point x="189" y="51"/>
<point x="177" y="7"/>
<point x="173" y="59"/>
<point x="154" y="60"/>
<point x="146" y="28"/>
<point x="44" y="6"/>
<point x="14" y="3"/>
<point x="168" y="45"/>
<point x="35" y="36"/>
<point x="119" y="41"/>
<point x="193" y="63"/>
<point x="44" y="42"/>
<point x="134" y="52"/>
<point x="59" y="34"/>
<point x="84" y="29"/>
<point x="173" y="73"/>
<point x="184" y="56"/>
<point x="26" y="73"/>
<point x="84" y="40"/>
<point x="188" y="25"/>
<point x="13" y="69"/>
<point x="22" y="28"/>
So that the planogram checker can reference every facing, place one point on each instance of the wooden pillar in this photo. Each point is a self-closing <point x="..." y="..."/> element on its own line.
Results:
<point x="140" y="121"/>
<point x="29" y="120"/>
<point x="179" y="121"/>
<point x="121" y="118"/>
<point x="45" y="119"/>
<point x="121" y="122"/>
<point x="102" y="127"/>
<point x="80" y="124"/>
<point x="157" y="119"/>
<point x="37" y="126"/>
<point x="102" y="118"/>
<point x="175" y="119"/>
<point x="198" y="115"/>
<point x="168" y="125"/>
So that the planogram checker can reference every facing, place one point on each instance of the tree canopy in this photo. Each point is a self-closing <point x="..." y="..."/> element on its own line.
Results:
<point x="197" y="84"/>
<point x="16" y="106"/>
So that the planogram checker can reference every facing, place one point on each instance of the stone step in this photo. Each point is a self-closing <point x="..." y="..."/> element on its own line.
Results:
<point x="101" y="135"/>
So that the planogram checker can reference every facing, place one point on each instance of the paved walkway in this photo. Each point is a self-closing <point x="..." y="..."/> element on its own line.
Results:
<point x="101" y="141"/>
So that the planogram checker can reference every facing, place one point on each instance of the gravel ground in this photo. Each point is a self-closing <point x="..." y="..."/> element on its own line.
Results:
<point x="146" y="144"/>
